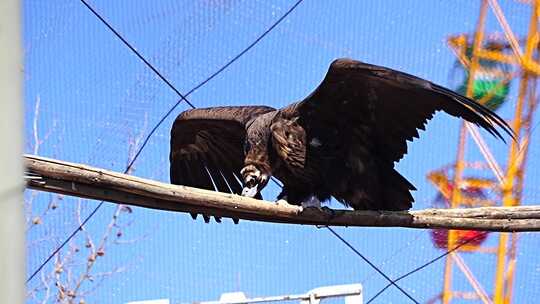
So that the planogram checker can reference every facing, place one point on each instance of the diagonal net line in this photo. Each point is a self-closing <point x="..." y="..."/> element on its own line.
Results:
<point x="164" y="117"/>
<point x="425" y="265"/>
<point x="183" y="98"/>
<point x="392" y="282"/>
<point x="148" y="64"/>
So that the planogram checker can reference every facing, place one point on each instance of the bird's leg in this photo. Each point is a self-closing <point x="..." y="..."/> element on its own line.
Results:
<point x="282" y="198"/>
<point x="303" y="200"/>
<point x="311" y="202"/>
<point x="292" y="197"/>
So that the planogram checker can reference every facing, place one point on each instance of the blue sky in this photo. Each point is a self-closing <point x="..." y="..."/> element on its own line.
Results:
<point x="94" y="95"/>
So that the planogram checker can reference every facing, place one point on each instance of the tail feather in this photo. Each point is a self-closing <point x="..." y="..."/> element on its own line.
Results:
<point x="396" y="191"/>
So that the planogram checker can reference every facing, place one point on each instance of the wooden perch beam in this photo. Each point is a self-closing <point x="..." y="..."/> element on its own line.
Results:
<point x="94" y="183"/>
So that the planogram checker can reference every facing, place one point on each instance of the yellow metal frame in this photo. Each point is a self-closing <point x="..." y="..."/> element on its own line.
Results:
<point x="511" y="185"/>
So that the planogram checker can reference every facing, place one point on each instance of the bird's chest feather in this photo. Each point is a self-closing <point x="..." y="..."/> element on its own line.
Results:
<point x="297" y="154"/>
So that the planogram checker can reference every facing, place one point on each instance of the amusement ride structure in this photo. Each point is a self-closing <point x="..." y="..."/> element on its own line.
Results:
<point x="489" y="63"/>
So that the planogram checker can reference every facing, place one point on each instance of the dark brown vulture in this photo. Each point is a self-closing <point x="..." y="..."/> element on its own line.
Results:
<point x="341" y="141"/>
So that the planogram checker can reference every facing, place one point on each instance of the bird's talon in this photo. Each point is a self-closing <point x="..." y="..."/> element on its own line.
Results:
<point x="331" y="212"/>
<point x="282" y="202"/>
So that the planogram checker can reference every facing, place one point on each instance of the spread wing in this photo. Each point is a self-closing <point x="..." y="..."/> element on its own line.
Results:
<point x="357" y="124"/>
<point x="388" y="106"/>
<point x="207" y="147"/>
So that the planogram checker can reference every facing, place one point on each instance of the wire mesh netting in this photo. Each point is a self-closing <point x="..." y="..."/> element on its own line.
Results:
<point x="90" y="100"/>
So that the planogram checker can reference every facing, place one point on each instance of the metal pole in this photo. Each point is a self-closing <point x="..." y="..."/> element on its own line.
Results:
<point x="12" y="253"/>
<point x="352" y="293"/>
<point x="513" y="166"/>
<point x="459" y="166"/>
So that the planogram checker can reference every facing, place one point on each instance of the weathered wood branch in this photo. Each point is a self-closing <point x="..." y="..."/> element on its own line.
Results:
<point x="89" y="182"/>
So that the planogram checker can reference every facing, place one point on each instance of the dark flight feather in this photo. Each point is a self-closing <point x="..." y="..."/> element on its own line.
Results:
<point x="341" y="141"/>
<point x="207" y="147"/>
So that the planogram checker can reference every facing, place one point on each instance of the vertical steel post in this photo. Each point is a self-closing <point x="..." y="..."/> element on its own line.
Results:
<point x="459" y="165"/>
<point x="513" y="164"/>
<point x="12" y="241"/>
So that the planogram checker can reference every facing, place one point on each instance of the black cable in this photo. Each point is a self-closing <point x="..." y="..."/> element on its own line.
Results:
<point x="425" y="265"/>
<point x="183" y="98"/>
<point x="148" y="64"/>
<point x="64" y="243"/>
<point x="372" y="265"/>
<point x="247" y="48"/>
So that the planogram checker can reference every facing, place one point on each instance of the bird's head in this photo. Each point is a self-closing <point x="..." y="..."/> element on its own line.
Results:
<point x="257" y="170"/>
<point x="254" y="180"/>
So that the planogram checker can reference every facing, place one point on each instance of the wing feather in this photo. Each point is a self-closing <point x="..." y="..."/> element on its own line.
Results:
<point x="401" y="103"/>
<point x="369" y="113"/>
<point x="207" y="146"/>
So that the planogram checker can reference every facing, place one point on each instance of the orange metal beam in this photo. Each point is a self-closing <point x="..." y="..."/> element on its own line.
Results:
<point x="459" y="166"/>
<point x="455" y="198"/>
<point x="513" y="165"/>
<point x="532" y="102"/>
<point x="478" y="289"/>
<point x="528" y="67"/>
<point x="459" y="46"/>
<point x="507" y="30"/>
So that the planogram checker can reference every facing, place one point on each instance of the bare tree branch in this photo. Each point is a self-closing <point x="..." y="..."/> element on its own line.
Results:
<point x="85" y="181"/>
<point x="71" y="267"/>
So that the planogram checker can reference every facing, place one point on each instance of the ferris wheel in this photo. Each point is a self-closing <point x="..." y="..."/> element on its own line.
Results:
<point x="486" y="67"/>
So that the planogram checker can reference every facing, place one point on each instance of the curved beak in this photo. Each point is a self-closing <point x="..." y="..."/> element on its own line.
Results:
<point x="254" y="181"/>
<point x="250" y="191"/>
